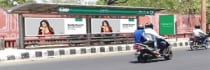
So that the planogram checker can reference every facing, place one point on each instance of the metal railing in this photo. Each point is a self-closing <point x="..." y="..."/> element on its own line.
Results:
<point x="75" y="40"/>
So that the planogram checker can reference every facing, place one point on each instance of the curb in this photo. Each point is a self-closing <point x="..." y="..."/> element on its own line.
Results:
<point x="40" y="53"/>
<point x="52" y="52"/>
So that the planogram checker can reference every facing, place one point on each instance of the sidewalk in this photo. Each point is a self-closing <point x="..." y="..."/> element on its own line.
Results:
<point x="13" y="54"/>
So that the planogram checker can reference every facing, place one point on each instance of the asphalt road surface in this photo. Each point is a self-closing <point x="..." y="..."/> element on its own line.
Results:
<point x="183" y="60"/>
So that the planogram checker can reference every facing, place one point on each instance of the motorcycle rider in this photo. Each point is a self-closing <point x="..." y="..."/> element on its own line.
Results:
<point x="160" y="43"/>
<point x="199" y="34"/>
<point x="138" y="34"/>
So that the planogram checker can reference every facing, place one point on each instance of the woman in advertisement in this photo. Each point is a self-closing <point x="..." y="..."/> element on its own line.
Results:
<point x="106" y="27"/>
<point x="45" y="28"/>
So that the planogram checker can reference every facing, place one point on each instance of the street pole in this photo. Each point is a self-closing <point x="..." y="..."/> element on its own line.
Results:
<point x="203" y="15"/>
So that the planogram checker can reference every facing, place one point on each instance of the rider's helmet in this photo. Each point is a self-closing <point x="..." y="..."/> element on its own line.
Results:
<point x="197" y="26"/>
<point x="149" y="25"/>
<point x="140" y="27"/>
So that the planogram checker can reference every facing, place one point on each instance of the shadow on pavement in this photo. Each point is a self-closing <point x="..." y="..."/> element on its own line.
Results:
<point x="200" y="49"/>
<point x="149" y="61"/>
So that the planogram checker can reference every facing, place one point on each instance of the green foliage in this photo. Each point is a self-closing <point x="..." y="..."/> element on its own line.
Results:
<point x="8" y="3"/>
<point x="208" y="12"/>
<point x="171" y="6"/>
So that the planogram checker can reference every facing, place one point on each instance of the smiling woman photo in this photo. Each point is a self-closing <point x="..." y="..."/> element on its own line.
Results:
<point x="45" y="28"/>
<point x="106" y="27"/>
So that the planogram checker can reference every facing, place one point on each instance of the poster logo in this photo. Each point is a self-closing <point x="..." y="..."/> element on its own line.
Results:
<point x="62" y="9"/>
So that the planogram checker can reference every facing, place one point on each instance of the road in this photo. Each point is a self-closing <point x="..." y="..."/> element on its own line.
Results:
<point x="183" y="60"/>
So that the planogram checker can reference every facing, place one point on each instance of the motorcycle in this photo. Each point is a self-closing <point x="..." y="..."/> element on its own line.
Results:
<point x="196" y="43"/>
<point x="145" y="52"/>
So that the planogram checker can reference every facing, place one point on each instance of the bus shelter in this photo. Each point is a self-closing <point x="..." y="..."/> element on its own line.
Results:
<point x="90" y="23"/>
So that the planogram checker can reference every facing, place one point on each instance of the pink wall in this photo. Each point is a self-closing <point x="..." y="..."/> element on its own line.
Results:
<point x="184" y="23"/>
<point x="151" y="19"/>
<point x="8" y="25"/>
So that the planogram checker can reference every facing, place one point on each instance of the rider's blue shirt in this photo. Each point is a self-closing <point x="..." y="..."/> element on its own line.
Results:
<point x="138" y="36"/>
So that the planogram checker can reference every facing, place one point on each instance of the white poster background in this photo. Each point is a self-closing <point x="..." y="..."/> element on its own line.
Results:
<point x="127" y="26"/>
<point x="32" y="25"/>
<point x="75" y="27"/>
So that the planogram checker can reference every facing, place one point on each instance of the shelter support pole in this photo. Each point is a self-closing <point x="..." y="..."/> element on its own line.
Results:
<point x="138" y="21"/>
<point x="21" y="32"/>
<point x="88" y="21"/>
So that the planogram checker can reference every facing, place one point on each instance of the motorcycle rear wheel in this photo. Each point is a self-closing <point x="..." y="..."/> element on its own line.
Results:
<point x="141" y="58"/>
<point x="193" y="47"/>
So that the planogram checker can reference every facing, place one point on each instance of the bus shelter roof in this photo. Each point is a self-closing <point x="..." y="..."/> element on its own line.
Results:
<point x="53" y="8"/>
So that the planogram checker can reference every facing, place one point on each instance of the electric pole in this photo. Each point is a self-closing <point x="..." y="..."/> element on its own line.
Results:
<point x="203" y="15"/>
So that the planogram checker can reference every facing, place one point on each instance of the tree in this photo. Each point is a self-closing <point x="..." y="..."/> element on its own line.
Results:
<point x="10" y="3"/>
<point x="208" y="11"/>
<point x="111" y="2"/>
<point x="171" y="6"/>
<point x="55" y="1"/>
